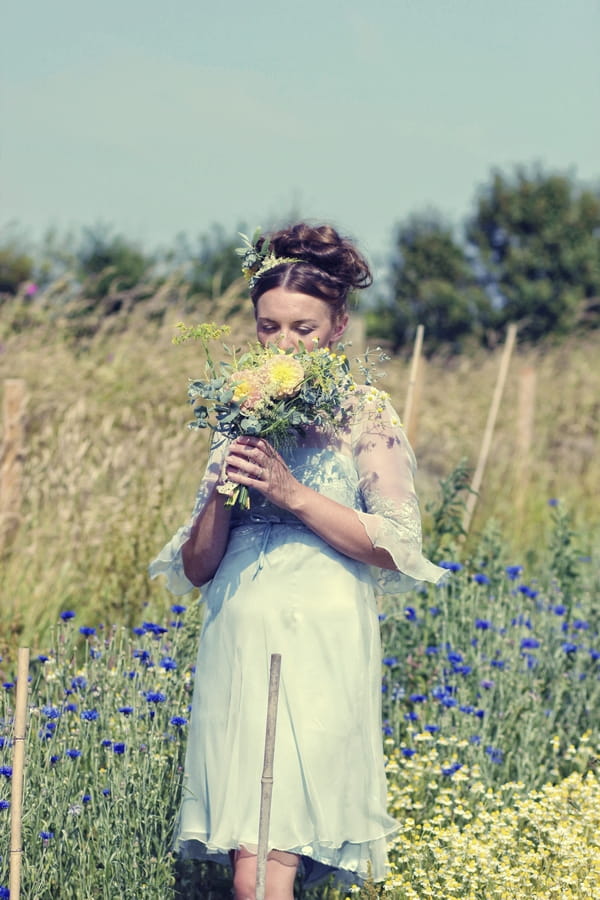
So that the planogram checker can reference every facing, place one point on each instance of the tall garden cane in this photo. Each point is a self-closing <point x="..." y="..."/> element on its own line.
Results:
<point x="16" y="798"/>
<point x="266" y="780"/>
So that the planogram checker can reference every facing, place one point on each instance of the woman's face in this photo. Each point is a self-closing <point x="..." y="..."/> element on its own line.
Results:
<point x="285" y="318"/>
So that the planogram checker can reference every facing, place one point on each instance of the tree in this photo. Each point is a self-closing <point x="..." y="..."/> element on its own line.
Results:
<point x="536" y="242"/>
<point x="433" y="284"/>
<point x="110" y="263"/>
<point x="16" y="265"/>
<point x="213" y="265"/>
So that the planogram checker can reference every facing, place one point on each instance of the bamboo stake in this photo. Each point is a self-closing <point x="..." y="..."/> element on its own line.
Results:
<point x="16" y="799"/>
<point x="267" y="776"/>
<point x="489" y="428"/>
<point x="11" y="459"/>
<point x="410" y="406"/>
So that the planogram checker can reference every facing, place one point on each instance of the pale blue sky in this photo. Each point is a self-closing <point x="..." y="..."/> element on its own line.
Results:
<point x="163" y="117"/>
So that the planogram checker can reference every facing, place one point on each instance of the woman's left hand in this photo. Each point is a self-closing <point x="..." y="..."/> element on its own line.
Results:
<point x="253" y="462"/>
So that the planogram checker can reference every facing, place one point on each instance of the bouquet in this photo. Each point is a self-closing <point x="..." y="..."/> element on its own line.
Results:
<point x="267" y="392"/>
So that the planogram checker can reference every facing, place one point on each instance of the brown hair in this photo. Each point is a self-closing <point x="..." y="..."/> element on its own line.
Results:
<point x="329" y="268"/>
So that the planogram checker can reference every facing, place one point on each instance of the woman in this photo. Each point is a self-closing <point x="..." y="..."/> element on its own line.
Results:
<point x="330" y="521"/>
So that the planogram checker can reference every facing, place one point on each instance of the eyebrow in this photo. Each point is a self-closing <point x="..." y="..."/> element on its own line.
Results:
<point x="267" y="321"/>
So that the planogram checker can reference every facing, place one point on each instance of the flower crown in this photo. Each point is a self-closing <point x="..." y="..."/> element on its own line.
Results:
<point x="256" y="261"/>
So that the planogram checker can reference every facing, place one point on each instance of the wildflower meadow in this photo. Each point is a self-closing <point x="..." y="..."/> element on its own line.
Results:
<point x="490" y="682"/>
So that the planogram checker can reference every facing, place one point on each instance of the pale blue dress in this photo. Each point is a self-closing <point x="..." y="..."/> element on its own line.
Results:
<point x="282" y="589"/>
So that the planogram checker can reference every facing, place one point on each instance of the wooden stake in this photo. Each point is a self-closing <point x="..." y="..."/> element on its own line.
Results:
<point x="267" y="776"/>
<point x="410" y="408"/>
<point x="11" y="459"/>
<point x="16" y="799"/>
<point x="489" y="428"/>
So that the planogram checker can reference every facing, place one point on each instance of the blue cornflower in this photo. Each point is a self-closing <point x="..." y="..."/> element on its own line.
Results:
<point x="86" y="798"/>
<point x="90" y="715"/>
<point x="106" y="792"/>
<point x="7" y="685"/>
<point x="87" y="630"/>
<point x="498" y="663"/>
<point x="410" y="613"/>
<point x="46" y="835"/>
<point x="51" y="712"/>
<point x="450" y="770"/>
<point x="475" y="739"/>
<point x="168" y="663"/>
<point x="480" y="578"/>
<point x="559" y="609"/>
<point x="106" y="743"/>
<point x="126" y="710"/>
<point x="6" y="771"/>
<point x="553" y="501"/>
<point x="513" y="572"/>
<point x="462" y="670"/>
<point x="79" y="683"/>
<point x="483" y="624"/>
<point x="4" y="804"/>
<point x="73" y="754"/>
<point x="486" y="683"/>
<point x="432" y="650"/>
<point x="434" y="611"/>
<point x="382" y="617"/>
<point x="54" y="759"/>
<point x="451" y="566"/>
<point x="455" y="657"/>
<point x="468" y="709"/>
<point x="529" y="643"/>
<point x="144" y="657"/>
<point x="390" y="661"/>
<point x="387" y="729"/>
<point x="138" y="630"/>
<point x="418" y="698"/>
<point x="581" y="625"/>
<point x="119" y="747"/>
<point x="495" y="754"/>
<point x="43" y="658"/>
<point x="178" y="609"/>
<point x="432" y="729"/>
<point x="179" y="721"/>
<point x="70" y="707"/>
<point x="531" y="660"/>
<point x="155" y="697"/>
<point x="595" y="654"/>
<point x="176" y="623"/>
<point x="67" y="614"/>
<point x="4" y="892"/>
<point x="407" y="751"/>
<point x="449" y="702"/>
<point x="95" y="653"/>
<point x="569" y="647"/>
<point x="411" y="716"/>
<point x="153" y="628"/>
<point x="384" y="688"/>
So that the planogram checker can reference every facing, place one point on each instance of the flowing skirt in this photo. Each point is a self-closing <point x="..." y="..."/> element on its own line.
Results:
<point x="281" y="589"/>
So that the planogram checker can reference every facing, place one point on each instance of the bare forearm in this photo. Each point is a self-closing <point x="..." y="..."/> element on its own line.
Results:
<point x="338" y="525"/>
<point x="204" y="549"/>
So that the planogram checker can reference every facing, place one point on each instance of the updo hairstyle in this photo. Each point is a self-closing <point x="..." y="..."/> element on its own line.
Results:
<point x="330" y="265"/>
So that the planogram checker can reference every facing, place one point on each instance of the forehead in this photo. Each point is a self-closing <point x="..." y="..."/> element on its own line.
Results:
<point x="281" y="305"/>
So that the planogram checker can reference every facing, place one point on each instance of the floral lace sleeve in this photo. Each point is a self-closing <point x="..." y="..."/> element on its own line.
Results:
<point x="386" y="464"/>
<point x="169" y="561"/>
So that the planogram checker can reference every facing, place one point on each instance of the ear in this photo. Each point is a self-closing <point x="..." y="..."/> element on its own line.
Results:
<point x="339" y="327"/>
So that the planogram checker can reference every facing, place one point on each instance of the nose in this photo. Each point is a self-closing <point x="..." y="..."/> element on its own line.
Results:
<point x="287" y="341"/>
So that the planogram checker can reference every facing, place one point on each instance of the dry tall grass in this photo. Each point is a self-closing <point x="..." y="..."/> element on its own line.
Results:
<point x="111" y="470"/>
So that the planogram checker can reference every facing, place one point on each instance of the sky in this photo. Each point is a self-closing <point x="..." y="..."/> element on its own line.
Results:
<point x="159" y="118"/>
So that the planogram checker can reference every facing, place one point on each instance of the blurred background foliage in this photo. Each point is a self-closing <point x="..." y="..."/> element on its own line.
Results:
<point x="528" y="253"/>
